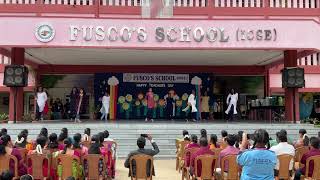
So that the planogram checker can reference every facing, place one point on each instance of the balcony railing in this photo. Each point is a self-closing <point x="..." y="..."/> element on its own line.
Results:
<point x="207" y="8"/>
<point x="311" y="60"/>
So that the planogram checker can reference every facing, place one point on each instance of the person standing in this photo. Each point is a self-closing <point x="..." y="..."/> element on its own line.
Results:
<point x="192" y="103"/>
<point x="80" y="104"/>
<point x="205" y="106"/>
<point x="73" y="102"/>
<point x="150" y="104"/>
<point x="41" y="99"/>
<point x="169" y="107"/>
<point x="105" y="106"/>
<point x="232" y="100"/>
<point x="57" y="109"/>
<point x="67" y="111"/>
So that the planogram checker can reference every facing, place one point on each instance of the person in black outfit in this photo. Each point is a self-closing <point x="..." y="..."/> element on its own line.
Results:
<point x="169" y="107"/>
<point x="67" y="111"/>
<point x="57" y="109"/>
<point x="73" y="102"/>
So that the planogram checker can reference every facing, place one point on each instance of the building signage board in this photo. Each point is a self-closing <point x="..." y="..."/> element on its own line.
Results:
<point x="159" y="34"/>
<point x="155" y="78"/>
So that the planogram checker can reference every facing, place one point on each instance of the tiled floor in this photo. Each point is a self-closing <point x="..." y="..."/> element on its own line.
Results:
<point x="164" y="169"/>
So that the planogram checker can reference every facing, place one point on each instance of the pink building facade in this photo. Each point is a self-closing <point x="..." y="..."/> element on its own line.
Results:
<point x="227" y="37"/>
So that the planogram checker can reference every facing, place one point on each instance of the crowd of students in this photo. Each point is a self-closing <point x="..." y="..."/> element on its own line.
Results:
<point x="52" y="145"/>
<point x="256" y="153"/>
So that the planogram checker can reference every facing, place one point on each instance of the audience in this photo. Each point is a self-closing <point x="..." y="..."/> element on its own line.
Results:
<point x="259" y="162"/>
<point x="203" y="133"/>
<point x="303" y="139"/>
<point x="26" y="177"/>
<point x="214" y="142"/>
<point x="86" y="136"/>
<point x="141" y="142"/>
<point x="231" y="140"/>
<point x="6" y="148"/>
<point x="193" y="144"/>
<point x="204" y="150"/>
<point x="6" y="175"/>
<point x="314" y="151"/>
<point x="283" y="148"/>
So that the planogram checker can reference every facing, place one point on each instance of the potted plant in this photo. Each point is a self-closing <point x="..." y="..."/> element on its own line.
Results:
<point x="28" y="117"/>
<point x="4" y="118"/>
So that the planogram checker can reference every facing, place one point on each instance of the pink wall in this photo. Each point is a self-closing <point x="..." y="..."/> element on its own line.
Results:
<point x="286" y="34"/>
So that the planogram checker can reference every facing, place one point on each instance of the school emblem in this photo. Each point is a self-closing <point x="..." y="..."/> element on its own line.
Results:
<point x="45" y="32"/>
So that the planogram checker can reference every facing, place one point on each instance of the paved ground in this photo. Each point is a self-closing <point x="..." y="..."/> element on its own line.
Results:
<point x="165" y="170"/>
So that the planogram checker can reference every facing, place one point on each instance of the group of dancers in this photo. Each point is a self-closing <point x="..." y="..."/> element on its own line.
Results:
<point x="78" y="103"/>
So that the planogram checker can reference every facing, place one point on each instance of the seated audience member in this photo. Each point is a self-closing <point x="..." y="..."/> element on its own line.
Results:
<point x="193" y="144"/>
<point x="53" y="143"/>
<point x="77" y="144"/>
<point x="40" y="149"/>
<point x="222" y="141"/>
<point x="44" y="133"/>
<point x="86" y="136"/>
<point x="213" y="142"/>
<point x="259" y="162"/>
<point x="229" y="150"/>
<point x="141" y="142"/>
<point x="6" y="175"/>
<point x="26" y="177"/>
<point x="314" y="151"/>
<point x="6" y="148"/>
<point x="21" y="141"/>
<point x="303" y="139"/>
<point x="185" y="135"/>
<point x="203" y="133"/>
<point x="3" y="131"/>
<point x="62" y="136"/>
<point x="95" y="149"/>
<point x="204" y="150"/>
<point x="283" y="148"/>
<point x="290" y="141"/>
<point x="106" y="136"/>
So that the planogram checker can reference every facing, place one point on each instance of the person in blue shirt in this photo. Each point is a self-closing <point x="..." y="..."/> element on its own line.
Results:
<point x="259" y="162"/>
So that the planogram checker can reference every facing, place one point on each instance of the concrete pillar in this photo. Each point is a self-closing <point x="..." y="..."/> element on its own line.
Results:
<point x="291" y="94"/>
<point x="17" y="58"/>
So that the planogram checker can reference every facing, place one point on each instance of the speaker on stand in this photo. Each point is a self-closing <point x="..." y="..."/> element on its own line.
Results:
<point x="293" y="77"/>
<point x="15" y="76"/>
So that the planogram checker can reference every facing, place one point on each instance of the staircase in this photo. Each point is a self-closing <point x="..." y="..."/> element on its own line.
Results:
<point x="164" y="133"/>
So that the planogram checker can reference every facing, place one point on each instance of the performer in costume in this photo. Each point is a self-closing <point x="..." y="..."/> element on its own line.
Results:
<point x="170" y="106"/>
<point x="150" y="104"/>
<point x="232" y="100"/>
<point x="81" y="103"/>
<point x="192" y="103"/>
<point x="41" y="98"/>
<point x="105" y="106"/>
<point x="205" y="105"/>
<point x="73" y="102"/>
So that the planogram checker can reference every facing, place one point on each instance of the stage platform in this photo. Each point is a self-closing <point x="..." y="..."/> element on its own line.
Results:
<point x="125" y="132"/>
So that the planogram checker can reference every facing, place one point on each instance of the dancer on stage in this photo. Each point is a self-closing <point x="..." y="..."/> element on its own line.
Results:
<point x="232" y="100"/>
<point x="205" y="105"/>
<point x="80" y="104"/>
<point x="105" y="106"/>
<point x="192" y="102"/>
<point x="150" y="104"/>
<point x="73" y="102"/>
<point x="170" y="106"/>
<point x="41" y="98"/>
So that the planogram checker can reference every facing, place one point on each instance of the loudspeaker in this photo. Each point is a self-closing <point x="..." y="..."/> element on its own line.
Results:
<point x="293" y="77"/>
<point x="15" y="76"/>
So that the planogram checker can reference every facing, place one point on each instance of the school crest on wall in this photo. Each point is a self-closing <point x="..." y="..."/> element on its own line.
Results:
<point x="45" y="32"/>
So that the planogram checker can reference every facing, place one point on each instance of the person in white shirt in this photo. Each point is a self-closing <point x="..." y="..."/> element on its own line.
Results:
<point x="283" y="148"/>
<point x="232" y="100"/>
<point x="192" y="102"/>
<point x="41" y="98"/>
<point x="105" y="106"/>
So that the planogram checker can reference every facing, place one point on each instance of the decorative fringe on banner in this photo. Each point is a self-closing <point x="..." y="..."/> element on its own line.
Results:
<point x="113" y="101"/>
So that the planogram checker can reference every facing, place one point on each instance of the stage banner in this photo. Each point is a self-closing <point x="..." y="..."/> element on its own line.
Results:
<point x="127" y="92"/>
